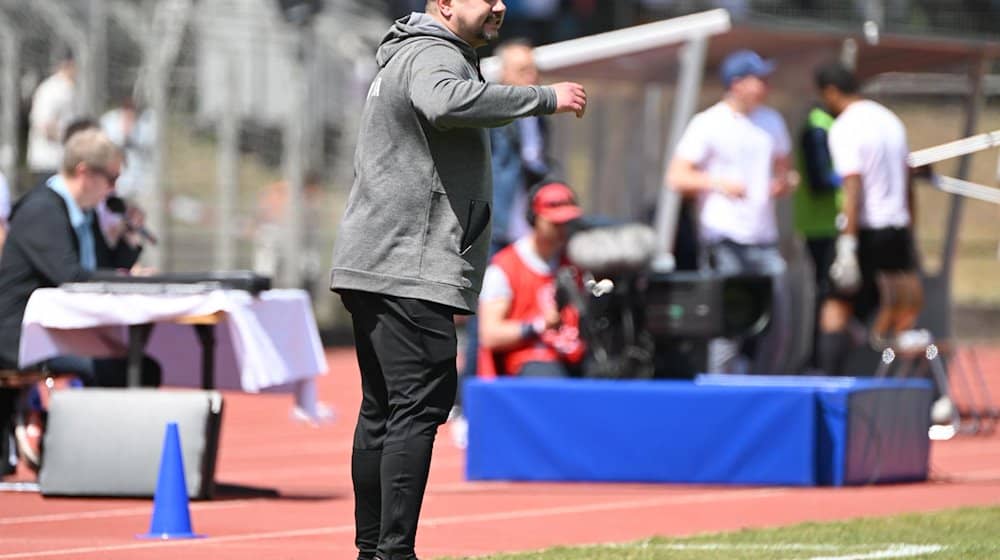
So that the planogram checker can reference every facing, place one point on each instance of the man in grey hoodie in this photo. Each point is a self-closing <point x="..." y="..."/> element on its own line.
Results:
<point x="412" y="246"/>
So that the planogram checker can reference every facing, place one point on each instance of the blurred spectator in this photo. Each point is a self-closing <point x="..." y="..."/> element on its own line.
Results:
<point x="522" y="328"/>
<point x="116" y="228"/>
<point x="577" y="18"/>
<point x="4" y="208"/>
<point x="875" y="246"/>
<point x="519" y="160"/>
<point x="734" y="157"/>
<point x="132" y="130"/>
<point x="52" y="106"/>
<point x="269" y="230"/>
<point x="533" y="20"/>
<point x="519" y="150"/>
<point x="816" y="204"/>
<point x="53" y="240"/>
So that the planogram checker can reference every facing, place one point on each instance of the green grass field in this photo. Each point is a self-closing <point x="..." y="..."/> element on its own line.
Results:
<point x="962" y="534"/>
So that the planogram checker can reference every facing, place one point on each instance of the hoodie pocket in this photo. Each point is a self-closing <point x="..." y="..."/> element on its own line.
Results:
<point x="475" y="224"/>
<point x="454" y="224"/>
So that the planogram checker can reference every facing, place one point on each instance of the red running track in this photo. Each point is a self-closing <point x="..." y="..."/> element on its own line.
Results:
<point x="309" y="514"/>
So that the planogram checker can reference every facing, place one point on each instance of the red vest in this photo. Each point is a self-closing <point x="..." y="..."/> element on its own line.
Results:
<point x="531" y="293"/>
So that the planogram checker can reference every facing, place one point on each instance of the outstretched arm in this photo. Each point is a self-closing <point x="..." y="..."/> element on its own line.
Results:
<point x="447" y="98"/>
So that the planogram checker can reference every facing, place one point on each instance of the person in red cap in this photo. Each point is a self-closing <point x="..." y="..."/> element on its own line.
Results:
<point x="521" y="327"/>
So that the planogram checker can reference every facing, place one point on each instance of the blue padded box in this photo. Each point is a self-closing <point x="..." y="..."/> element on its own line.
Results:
<point x="870" y="430"/>
<point x="639" y="431"/>
<point x="720" y="429"/>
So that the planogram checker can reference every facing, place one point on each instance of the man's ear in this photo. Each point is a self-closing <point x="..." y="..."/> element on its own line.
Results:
<point x="78" y="170"/>
<point x="444" y="7"/>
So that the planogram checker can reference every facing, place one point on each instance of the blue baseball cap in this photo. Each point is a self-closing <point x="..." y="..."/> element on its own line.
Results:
<point x="744" y="63"/>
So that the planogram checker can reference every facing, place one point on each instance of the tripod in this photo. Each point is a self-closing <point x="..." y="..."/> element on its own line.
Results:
<point x="913" y="352"/>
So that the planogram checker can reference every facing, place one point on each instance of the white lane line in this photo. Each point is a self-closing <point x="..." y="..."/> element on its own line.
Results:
<point x="287" y="450"/>
<point x="159" y="544"/>
<point x="467" y="487"/>
<point x="447" y="488"/>
<point x="717" y="496"/>
<point x="119" y="512"/>
<point x="297" y="471"/>
<point x="959" y="476"/>
<point x="893" y="551"/>
<point x="964" y="453"/>
<point x="776" y="547"/>
<point x="732" y="495"/>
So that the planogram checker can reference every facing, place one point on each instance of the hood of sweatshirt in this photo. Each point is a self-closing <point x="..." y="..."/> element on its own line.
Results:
<point x="419" y="25"/>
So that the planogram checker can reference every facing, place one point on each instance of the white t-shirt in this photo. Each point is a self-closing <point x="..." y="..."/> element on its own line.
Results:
<point x="869" y="140"/>
<point x="53" y="101"/>
<point x="495" y="283"/>
<point x="730" y="145"/>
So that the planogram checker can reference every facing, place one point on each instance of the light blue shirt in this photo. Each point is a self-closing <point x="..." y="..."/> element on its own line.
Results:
<point x="81" y="222"/>
<point x="532" y="145"/>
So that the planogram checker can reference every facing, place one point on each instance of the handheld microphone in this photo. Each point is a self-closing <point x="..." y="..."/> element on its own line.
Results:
<point x="117" y="205"/>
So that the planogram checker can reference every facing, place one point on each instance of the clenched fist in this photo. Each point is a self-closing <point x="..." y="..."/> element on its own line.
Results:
<point x="570" y="96"/>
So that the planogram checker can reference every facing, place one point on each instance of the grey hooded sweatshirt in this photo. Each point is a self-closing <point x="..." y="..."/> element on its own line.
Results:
<point x="417" y="222"/>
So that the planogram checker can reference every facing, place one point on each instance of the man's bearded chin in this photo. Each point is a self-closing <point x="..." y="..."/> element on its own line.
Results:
<point x="491" y="35"/>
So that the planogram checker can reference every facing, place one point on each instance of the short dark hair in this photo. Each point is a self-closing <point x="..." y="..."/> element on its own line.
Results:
<point x="837" y="75"/>
<point x="66" y="54"/>
<point x="77" y="125"/>
<point x="515" y="42"/>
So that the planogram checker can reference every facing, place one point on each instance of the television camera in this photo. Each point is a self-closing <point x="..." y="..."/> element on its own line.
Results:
<point x="638" y="323"/>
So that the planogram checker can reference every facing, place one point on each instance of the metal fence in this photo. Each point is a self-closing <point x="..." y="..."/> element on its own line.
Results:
<point x="243" y="123"/>
<point x="250" y="111"/>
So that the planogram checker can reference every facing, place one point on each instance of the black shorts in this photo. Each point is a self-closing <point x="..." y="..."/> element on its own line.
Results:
<point x="879" y="250"/>
<point x="821" y="250"/>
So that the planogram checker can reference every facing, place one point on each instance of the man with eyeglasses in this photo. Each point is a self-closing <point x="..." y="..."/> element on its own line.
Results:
<point x="51" y="241"/>
<point x="119" y="241"/>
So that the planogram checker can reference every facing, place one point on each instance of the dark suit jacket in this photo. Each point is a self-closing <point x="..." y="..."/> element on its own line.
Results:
<point x="42" y="251"/>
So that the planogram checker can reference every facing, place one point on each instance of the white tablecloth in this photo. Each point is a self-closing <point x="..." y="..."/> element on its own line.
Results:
<point x="264" y="342"/>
